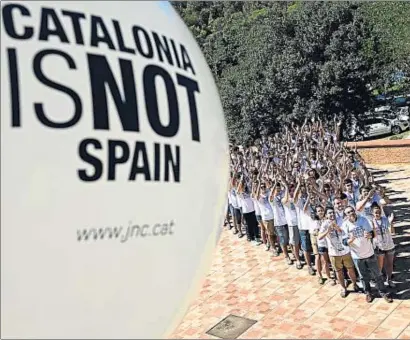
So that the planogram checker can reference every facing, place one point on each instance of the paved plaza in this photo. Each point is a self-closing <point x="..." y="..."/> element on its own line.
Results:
<point x="285" y="302"/>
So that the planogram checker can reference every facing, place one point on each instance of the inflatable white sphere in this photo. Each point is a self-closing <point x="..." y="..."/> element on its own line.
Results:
<point x="113" y="169"/>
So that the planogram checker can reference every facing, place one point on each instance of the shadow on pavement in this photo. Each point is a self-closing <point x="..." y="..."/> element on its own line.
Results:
<point x="400" y="206"/>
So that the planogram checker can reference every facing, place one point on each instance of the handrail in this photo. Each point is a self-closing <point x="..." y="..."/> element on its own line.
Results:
<point x="380" y="144"/>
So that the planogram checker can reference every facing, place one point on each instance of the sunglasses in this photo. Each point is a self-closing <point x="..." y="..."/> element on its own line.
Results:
<point x="349" y="212"/>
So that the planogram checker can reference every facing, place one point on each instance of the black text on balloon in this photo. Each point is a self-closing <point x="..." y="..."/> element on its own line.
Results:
<point x="130" y="92"/>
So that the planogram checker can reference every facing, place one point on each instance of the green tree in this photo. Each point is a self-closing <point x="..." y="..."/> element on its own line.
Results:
<point x="280" y="61"/>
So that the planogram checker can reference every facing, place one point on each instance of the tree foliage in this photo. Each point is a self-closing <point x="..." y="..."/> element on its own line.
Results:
<point x="390" y="21"/>
<point x="280" y="61"/>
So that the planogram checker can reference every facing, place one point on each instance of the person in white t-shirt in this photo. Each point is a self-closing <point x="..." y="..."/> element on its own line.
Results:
<point x="368" y="196"/>
<point x="292" y="222"/>
<point x="339" y="210"/>
<point x="383" y="242"/>
<point x="236" y="208"/>
<point x="227" y="220"/>
<point x="351" y="196"/>
<point x="262" y="231"/>
<point x="357" y="182"/>
<point x="248" y="212"/>
<point x="300" y="198"/>
<point x="320" y="250"/>
<point x="262" y="196"/>
<point x="279" y="217"/>
<point x="339" y="254"/>
<point x="360" y="235"/>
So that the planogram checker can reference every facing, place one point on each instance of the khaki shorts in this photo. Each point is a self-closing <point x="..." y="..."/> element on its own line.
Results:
<point x="339" y="261"/>
<point x="269" y="227"/>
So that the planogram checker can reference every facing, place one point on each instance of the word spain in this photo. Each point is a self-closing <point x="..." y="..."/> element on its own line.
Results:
<point x="166" y="81"/>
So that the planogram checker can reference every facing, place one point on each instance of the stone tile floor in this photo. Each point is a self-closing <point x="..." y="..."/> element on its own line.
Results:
<point x="245" y="280"/>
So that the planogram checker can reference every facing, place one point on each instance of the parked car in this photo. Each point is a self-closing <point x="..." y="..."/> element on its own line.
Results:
<point x="387" y="112"/>
<point x="399" y="126"/>
<point x="376" y="127"/>
<point x="382" y="108"/>
<point x="403" y="113"/>
<point x="399" y="100"/>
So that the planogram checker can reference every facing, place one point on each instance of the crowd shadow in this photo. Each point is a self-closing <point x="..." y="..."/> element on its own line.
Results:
<point x="400" y="206"/>
<point x="380" y="173"/>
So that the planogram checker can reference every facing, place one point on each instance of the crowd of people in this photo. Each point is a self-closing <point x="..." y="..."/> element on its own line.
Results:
<point x="307" y="197"/>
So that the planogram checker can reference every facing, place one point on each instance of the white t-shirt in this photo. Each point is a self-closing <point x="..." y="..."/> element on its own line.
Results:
<point x="361" y="247"/>
<point x="291" y="213"/>
<point x="303" y="222"/>
<point x="340" y="217"/>
<point x="256" y="206"/>
<point x="352" y="199"/>
<point x="265" y="207"/>
<point x="356" y="187"/>
<point x="383" y="239"/>
<point x="334" y="240"/>
<point x="315" y="226"/>
<point x="367" y="210"/>
<point x="278" y="211"/>
<point x="234" y="198"/>
<point x="246" y="203"/>
<point x="315" y="164"/>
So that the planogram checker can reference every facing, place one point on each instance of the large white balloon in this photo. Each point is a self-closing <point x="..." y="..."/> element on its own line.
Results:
<point x="113" y="169"/>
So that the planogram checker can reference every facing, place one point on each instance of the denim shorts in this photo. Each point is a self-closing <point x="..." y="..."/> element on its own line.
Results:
<point x="379" y="252"/>
<point x="236" y="214"/>
<point x="305" y="243"/>
<point x="322" y="250"/>
<point x="283" y="234"/>
<point x="294" y="237"/>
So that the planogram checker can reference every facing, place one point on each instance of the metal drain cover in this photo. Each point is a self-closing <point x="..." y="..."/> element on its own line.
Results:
<point x="231" y="327"/>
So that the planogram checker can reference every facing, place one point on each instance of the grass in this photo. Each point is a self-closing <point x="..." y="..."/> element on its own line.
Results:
<point x="402" y="135"/>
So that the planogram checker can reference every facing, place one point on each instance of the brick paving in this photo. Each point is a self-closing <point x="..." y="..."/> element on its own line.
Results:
<point x="288" y="303"/>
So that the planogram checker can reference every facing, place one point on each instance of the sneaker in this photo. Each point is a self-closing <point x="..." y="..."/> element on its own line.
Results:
<point x="369" y="297"/>
<point x="356" y="288"/>
<point x="388" y="298"/>
<point x="289" y="261"/>
<point x="267" y="246"/>
<point x="343" y="293"/>
<point x="391" y="284"/>
<point x="311" y="270"/>
<point x="258" y="242"/>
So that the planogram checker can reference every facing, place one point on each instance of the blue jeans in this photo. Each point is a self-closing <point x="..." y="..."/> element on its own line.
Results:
<point x="305" y="242"/>
<point x="368" y="268"/>
<point x="283" y="234"/>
